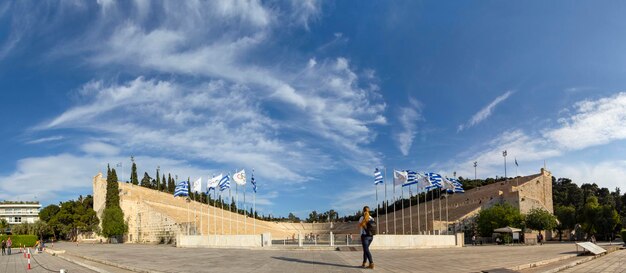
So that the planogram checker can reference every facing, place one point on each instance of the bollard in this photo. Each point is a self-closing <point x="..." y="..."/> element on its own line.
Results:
<point x="28" y="261"/>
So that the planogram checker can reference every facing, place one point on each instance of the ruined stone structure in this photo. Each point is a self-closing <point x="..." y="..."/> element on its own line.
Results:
<point x="155" y="217"/>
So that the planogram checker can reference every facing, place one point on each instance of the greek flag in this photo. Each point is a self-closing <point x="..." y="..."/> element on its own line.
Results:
<point x="435" y="181"/>
<point x="224" y="183"/>
<point x="458" y="187"/>
<point x="411" y="178"/>
<point x="253" y="182"/>
<point x="182" y="189"/>
<point x="378" y="177"/>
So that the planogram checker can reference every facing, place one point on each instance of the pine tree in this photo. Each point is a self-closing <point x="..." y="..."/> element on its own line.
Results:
<point x="145" y="181"/>
<point x="133" y="175"/>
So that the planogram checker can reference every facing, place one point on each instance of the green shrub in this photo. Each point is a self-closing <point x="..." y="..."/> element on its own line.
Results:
<point x="18" y="240"/>
<point x="623" y="234"/>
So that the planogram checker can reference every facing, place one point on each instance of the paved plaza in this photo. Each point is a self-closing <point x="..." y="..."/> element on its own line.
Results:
<point x="124" y="258"/>
<point x="39" y="263"/>
<point x="163" y="258"/>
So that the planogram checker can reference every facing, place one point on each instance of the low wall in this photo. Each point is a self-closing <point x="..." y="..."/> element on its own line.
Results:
<point x="416" y="241"/>
<point x="225" y="241"/>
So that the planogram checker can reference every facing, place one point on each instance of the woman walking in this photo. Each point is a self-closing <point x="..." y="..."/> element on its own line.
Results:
<point x="366" y="237"/>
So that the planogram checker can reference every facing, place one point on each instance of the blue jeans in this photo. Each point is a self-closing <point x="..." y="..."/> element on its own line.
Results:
<point x="366" y="241"/>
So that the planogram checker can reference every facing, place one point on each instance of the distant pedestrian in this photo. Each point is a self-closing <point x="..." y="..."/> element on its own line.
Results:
<point x="9" y="245"/>
<point x="4" y="246"/>
<point x="540" y="238"/>
<point x="474" y="240"/>
<point x="366" y="237"/>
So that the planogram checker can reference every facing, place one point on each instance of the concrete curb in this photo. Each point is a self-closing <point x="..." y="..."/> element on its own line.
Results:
<point x="541" y="263"/>
<point x="83" y="264"/>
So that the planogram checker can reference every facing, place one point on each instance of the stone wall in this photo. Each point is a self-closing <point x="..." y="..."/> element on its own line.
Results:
<point x="155" y="217"/>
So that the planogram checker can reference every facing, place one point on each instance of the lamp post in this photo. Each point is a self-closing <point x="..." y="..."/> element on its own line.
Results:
<point x="504" y="155"/>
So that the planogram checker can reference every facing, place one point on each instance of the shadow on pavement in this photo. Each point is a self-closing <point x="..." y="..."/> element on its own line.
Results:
<point x="313" y="262"/>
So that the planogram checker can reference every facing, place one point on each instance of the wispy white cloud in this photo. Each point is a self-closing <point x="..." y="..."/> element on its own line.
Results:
<point x="100" y="148"/>
<point x="485" y="112"/>
<point x="408" y="116"/>
<point x="64" y="176"/>
<point x="604" y="173"/>
<point x="45" y="139"/>
<point x="595" y="122"/>
<point x="590" y="123"/>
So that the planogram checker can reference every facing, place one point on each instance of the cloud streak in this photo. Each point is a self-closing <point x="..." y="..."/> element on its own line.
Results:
<point x="408" y="117"/>
<point x="485" y="112"/>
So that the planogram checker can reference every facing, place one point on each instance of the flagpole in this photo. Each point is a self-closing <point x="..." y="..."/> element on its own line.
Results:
<point x="230" y="209"/>
<point x="425" y="210"/>
<point x="439" y="197"/>
<point x="222" y="201"/>
<point x="419" y="227"/>
<point x="402" y="194"/>
<point x="254" y="206"/>
<point x="432" y="211"/>
<point x="215" y="210"/>
<point x="377" y="209"/>
<point x="447" y="221"/>
<point x="237" y="206"/>
<point x="410" y="212"/>
<point x="386" y="205"/>
<point x="245" y="211"/>
<point x="395" y="230"/>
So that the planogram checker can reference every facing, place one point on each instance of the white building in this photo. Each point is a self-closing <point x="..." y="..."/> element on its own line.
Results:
<point x="19" y="212"/>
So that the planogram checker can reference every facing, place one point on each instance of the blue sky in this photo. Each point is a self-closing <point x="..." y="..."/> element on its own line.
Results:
<point x="311" y="95"/>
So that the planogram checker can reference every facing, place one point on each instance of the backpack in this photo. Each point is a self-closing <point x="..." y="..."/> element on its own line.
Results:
<point x="370" y="227"/>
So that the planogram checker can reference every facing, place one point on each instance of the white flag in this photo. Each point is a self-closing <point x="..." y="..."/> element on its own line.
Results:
<point x="240" y="177"/>
<point x="400" y="177"/>
<point x="213" y="182"/>
<point x="197" y="185"/>
<point x="422" y="183"/>
<point x="447" y="185"/>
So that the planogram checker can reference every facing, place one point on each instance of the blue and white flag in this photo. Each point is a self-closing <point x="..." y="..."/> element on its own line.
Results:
<point x="458" y="186"/>
<point x="378" y="177"/>
<point x="253" y="182"/>
<point x="411" y="178"/>
<point x="182" y="189"/>
<point x="224" y="183"/>
<point x="435" y="181"/>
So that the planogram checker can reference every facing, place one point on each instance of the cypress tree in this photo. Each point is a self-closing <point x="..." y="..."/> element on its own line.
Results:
<point x="158" y="181"/>
<point x="170" y="184"/>
<point x="112" y="196"/>
<point x="133" y="175"/>
<point x="113" y="217"/>
<point x="164" y="184"/>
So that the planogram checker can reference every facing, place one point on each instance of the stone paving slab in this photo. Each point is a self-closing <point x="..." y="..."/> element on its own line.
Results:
<point x="163" y="258"/>
<point x="40" y="263"/>
<point x="613" y="262"/>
